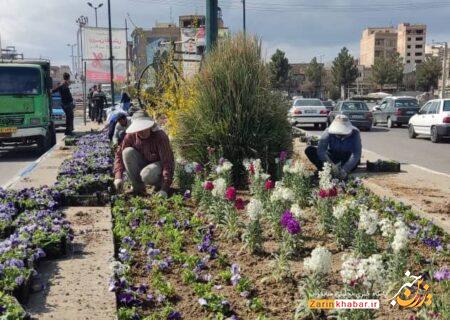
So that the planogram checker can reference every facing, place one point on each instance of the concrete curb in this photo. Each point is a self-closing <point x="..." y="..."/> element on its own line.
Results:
<point x="30" y="167"/>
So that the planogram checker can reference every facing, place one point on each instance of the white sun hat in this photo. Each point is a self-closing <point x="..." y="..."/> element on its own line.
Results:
<point x="140" y="121"/>
<point x="341" y="125"/>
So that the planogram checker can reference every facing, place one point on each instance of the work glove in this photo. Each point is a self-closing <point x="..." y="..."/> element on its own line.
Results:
<point x="335" y="170"/>
<point x="162" y="194"/>
<point x="118" y="185"/>
<point x="343" y="174"/>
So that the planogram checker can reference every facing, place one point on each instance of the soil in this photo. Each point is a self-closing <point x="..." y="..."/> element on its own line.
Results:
<point x="279" y="298"/>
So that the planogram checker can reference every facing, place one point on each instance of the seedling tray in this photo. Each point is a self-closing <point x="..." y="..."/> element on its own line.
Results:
<point x="383" y="166"/>
<point x="98" y="199"/>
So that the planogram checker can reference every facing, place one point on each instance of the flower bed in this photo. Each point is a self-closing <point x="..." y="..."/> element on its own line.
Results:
<point x="86" y="178"/>
<point x="262" y="254"/>
<point x="32" y="227"/>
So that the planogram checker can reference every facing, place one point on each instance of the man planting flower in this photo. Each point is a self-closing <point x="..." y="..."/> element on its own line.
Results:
<point x="146" y="155"/>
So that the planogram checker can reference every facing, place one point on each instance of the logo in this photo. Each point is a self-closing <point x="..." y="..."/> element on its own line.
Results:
<point x="412" y="294"/>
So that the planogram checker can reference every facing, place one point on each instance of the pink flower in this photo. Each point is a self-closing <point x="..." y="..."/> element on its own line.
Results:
<point x="230" y="194"/>
<point x="323" y="193"/>
<point x="283" y="156"/>
<point x="332" y="192"/>
<point x="239" y="204"/>
<point x="251" y="168"/>
<point x="270" y="184"/>
<point x="208" y="185"/>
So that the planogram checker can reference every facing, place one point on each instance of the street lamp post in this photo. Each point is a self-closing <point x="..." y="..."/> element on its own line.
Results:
<point x="95" y="9"/>
<point x="72" y="56"/>
<point x="444" y="46"/>
<point x="81" y="22"/>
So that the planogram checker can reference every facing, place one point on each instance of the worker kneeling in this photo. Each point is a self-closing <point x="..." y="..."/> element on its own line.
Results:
<point x="146" y="156"/>
<point x="340" y="145"/>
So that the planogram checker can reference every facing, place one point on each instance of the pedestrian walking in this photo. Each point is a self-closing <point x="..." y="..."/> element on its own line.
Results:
<point x="91" y="102"/>
<point x="67" y="102"/>
<point x="100" y="103"/>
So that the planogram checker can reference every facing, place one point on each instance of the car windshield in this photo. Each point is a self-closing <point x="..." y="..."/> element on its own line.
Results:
<point x="19" y="81"/>
<point x="327" y="103"/>
<point x="354" y="106"/>
<point x="407" y="103"/>
<point x="308" y="103"/>
<point x="447" y="105"/>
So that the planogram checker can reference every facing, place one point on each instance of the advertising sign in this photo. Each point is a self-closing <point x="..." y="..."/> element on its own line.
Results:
<point x="96" y="53"/>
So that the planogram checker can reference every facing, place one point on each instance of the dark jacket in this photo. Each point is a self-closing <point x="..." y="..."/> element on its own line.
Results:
<point x="64" y="91"/>
<point x="333" y="144"/>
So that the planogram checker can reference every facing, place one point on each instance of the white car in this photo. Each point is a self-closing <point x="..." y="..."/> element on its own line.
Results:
<point x="308" y="111"/>
<point x="432" y="120"/>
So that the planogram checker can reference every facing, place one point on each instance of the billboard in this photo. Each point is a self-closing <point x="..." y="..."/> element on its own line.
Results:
<point x="192" y="47"/>
<point x="96" y="54"/>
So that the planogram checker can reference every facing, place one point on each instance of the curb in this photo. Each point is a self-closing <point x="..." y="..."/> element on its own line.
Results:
<point x="30" y="167"/>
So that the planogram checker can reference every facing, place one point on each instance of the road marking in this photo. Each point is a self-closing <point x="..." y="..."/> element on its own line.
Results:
<point x="431" y="171"/>
<point x="28" y="169"/>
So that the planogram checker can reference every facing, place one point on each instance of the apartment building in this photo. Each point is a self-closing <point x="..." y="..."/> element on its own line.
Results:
<point x="377" y="43"/>
<point x="411" y="43"/>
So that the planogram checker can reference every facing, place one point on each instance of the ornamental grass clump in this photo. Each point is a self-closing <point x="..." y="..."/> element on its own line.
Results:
<point x="234" y="109"/>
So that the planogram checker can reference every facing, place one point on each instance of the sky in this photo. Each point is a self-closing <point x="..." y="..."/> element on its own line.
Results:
<point x="302" y="28"/>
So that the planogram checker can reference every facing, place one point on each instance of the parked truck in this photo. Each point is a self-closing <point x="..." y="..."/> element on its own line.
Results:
<point x="26" y="104"/>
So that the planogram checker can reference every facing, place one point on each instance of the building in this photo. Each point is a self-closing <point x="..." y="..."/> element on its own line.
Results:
<point x="411" y="43"/>
<point x="10" y="53"/>
<point x="377" y="43"/>
<point x="148" y="42"/>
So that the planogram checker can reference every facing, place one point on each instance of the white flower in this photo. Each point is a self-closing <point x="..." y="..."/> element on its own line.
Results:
<point x="265" y="176"/>
<point x="373" y="271"/>
<point x="224" y="167"/>
<point x="339" y="210"/>
<point x="282" y="193"/>
<point x="387" y="227"/>
<point x="326" y="178"/>
<point x="189" y="168"/>
<point x="254" y="209"/>
<point x="370" y="272"/>
<point x="401" y="236"/>
<point x="368" y="220"/>
<point x="296" y="211"/>
<point x="220" y="187"/>
<point x="319" y="262"/>
<point x="297" y="168"/>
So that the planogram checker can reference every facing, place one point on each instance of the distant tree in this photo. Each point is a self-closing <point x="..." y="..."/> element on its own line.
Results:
<point x="344" y="69"/>
<point x="315" y="74"/>
<point x="397" y="69"/>
<point x="279" y="70"/>
<point x="387" y="71"/>
<point x="428" y="74"/>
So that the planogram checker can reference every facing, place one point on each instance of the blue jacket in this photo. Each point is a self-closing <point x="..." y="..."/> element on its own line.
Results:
<point x="332" y="144"/>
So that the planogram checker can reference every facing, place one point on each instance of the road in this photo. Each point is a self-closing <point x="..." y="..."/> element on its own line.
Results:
<point x="14" y="160"/>
<point x="395" y="144"/>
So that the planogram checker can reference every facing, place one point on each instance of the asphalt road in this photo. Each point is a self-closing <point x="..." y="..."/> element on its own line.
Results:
<point x="14" y="160"/>
<point x="395" y="145"/>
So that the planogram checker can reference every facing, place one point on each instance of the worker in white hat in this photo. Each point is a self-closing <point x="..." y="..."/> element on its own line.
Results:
<point x="340" y="145"/>
<point x="146" y="155"/>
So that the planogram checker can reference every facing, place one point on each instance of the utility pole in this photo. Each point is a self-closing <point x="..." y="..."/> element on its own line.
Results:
<point x="72" y="56"/>
<point x="111" y="57"/>
<point x="211" y="24"/>
<point x="244" y="18"/>
<point x="444" y="71"/>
